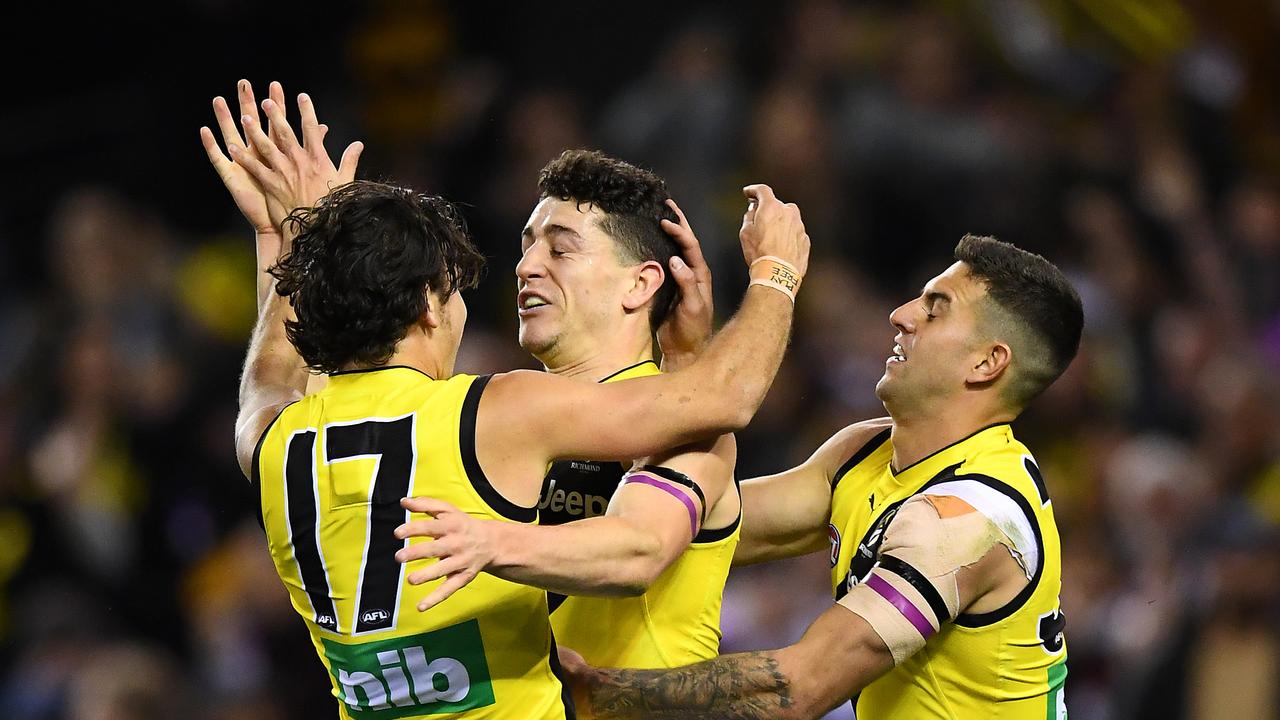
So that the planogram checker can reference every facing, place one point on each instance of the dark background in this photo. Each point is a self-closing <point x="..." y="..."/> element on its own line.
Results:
<point x="1134" y="143"/>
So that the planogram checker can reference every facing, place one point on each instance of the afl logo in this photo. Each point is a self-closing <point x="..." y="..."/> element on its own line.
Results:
<point x="834" y="536"/>
<point x="373" y="616"/>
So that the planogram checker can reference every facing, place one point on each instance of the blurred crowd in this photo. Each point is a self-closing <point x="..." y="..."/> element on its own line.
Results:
<point x="1136" y="144"/>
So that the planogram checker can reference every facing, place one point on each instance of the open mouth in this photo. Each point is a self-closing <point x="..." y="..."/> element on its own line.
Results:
<point x="897" y="356"/>
<point x="528" y="302"/>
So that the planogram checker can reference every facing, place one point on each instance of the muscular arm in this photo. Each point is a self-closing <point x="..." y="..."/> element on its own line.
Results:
<point x="620" y="553"/>
<point x="550" y="417"/>
<point x="786" y="514"/>
<point x="625" y="550"/>
<point x="838" y="656"/>
<point x="943" y="548"/>
<point x="553" y="417"/>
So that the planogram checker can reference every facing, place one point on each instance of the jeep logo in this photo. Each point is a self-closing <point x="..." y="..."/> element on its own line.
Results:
<point x="373" y="616"/>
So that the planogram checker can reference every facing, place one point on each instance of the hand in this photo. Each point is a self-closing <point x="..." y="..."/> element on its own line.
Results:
<point x="770" y="227"/>
<point x="294" y="174"/>
<point x="248" y="194"/>
<point x="575" y="674"/>
<point x="463" y="544"/>
<point x="685" y="332"/>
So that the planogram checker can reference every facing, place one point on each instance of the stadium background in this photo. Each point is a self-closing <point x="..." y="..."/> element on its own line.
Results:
<point x="1135" y="142"/>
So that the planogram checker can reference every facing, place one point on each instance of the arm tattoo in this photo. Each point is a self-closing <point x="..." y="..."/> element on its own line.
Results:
<point x="747" y="686"/>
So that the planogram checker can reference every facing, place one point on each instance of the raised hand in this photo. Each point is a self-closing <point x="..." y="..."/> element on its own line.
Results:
<point x="293" y="174"/>
<point x="463" y="545"/>
<point x="687" y="328"/>
<point x="244" y="188"/>
<point x="773" y="228"/>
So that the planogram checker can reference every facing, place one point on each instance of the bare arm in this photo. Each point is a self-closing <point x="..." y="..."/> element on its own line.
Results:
<point x="786" y="514"/>
<point x="552" y="417"/>
<point x="945" y="548"/>
<point x="838" y="656"/>
<point x="268" y="176"/>
<point x="620" y="553"/>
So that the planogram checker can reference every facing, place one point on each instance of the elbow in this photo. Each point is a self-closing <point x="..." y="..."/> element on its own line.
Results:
<point x="738" y="415"/>
<point x="641" y="571"/>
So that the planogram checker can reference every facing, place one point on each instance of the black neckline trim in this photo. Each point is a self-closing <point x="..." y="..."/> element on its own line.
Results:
<point x="876" y="441"/>
<point x="975" y="433"/>
<point x="375" y="369"/>
<point x="629" y="367"/>
<point x="471" y="464"/>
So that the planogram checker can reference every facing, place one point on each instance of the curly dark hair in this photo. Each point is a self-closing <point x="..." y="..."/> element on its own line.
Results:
<point x="1039" y="302"/>
<point x="360" y="268"/>
<point x="634" y="201"/>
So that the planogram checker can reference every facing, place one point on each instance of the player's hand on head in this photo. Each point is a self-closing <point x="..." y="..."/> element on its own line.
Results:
<point x="293" y="171"/>
<point x="462" y="545"/>
<point x="246" y="191"/>
<point x="771" y="227"/>
<point x="687" y="328"/>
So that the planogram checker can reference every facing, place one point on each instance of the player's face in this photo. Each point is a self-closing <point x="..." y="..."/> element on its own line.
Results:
<point x="570" y="282"/>
<point x="936" y="344"/>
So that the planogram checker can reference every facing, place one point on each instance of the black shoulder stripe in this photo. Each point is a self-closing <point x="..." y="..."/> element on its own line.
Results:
<point x="1034" y="471"/>
<point x="255" y="469"/>
<point x="467" y="446"/>
<point x="872" y="445"/>
<point x="680" y="478"/>
<point x="709" y="536"/>
<point x="918" y="581"/>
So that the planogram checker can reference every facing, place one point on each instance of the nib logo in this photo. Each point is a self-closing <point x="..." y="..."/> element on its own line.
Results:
<point x="444" y="671"/>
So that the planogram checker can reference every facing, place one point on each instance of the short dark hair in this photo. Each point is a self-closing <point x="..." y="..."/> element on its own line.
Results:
<point x="1036" y="296"/>
<point x="361" y="265"/>
<point x="634" y="201"/>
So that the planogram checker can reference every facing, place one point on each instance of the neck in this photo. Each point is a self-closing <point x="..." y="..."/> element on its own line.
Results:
<point x="424" y="352"/>
<point x="604" y="359"/>
<point x="917" y="435"/>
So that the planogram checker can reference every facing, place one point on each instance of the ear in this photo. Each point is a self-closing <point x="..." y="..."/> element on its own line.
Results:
<point x="648" y="277"/>
<point x="992" y="365"/>
<point x="431" y="315"/>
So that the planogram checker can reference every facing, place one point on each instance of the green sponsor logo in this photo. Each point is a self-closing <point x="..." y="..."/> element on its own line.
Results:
<point x="443" y="671"/>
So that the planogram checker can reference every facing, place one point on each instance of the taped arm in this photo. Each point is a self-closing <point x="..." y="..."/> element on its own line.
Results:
<point x="653" y="515"/>
<point x="621" y="553"/>
<point x="786" y="514"/>
<point x="940" y="556"/>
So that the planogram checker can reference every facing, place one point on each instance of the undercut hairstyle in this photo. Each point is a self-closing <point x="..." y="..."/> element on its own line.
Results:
<point x="1036" y="311"/>
<point x="634" y="202"/>
<point x="361" y="266"/>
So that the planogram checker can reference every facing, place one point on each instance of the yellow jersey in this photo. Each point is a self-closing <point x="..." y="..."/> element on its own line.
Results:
<point x="330" y="472"/>
<point x="1009" y="663"/>
<point x="677" y="619"/>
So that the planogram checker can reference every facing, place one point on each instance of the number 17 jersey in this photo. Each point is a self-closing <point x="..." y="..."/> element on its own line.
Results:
<point x="330" y="472"/>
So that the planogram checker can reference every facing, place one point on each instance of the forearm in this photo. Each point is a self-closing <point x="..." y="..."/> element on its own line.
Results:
<point x="268" y="247"/>
<point x="604" y="556"/>
<point x="754" y="548"/>
<point x="272" y="362"/>
<point x="747" y="686"/>
<point x="734" y="373"/>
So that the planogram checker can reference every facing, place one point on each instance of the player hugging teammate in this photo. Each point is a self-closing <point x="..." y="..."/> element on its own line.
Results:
<point x="401" y="501"/>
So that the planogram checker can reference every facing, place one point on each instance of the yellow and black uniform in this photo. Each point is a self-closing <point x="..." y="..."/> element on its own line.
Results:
<point x="677" y="620"/>
<point x="331" y="471"/>
<point x="1008" y="663"/>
